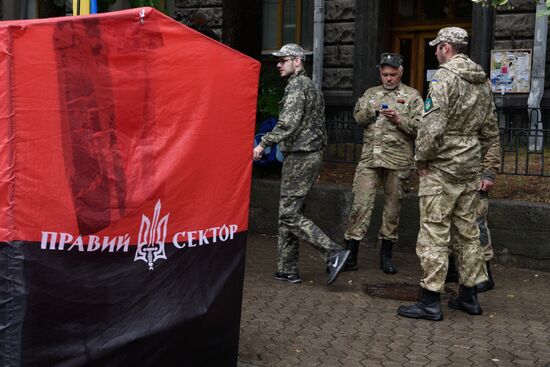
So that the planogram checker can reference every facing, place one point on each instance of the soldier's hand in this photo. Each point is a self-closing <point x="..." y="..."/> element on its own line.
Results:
<point x="391" y="115"/>
<point x="486" y="185"/>
<point x="422" y="168"/>
<point x="257" y="153"/>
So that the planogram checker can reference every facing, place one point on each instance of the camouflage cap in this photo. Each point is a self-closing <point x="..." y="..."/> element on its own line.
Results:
<point x="452" y="35"/>
<point x="291" y="49"/>
<point x="391" y="59"/>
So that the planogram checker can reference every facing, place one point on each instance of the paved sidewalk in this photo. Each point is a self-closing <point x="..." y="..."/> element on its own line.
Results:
<point x="312" y="324"/>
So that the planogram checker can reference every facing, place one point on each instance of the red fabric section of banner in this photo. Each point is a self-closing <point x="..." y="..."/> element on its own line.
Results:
<point x="105" y="117"/>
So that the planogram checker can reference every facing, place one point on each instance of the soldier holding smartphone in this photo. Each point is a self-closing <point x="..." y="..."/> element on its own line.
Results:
<point x="389" y="115"/>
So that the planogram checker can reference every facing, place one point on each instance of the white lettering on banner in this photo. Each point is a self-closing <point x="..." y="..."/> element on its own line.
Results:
<point x="93" y="243"/>
<point x="44" y="242"/>
<point x="49" y="242"/>
<point x="151" y="239"/>
<point x="78" y="243"/>
<point x="188" y="238"/>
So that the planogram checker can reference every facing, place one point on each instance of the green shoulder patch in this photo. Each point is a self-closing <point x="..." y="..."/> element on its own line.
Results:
<point x="428" y="104"/>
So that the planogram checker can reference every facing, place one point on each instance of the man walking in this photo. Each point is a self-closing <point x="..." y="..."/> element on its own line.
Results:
<point x="301" y="134"/>
<point x="389" y="115"/>
<point x="457" y="128"/>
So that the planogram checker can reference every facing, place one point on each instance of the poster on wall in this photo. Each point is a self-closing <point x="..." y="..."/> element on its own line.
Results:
<point x="511" y="71"/>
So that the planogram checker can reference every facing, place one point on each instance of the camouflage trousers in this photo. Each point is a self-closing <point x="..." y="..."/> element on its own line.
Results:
<point x="481" y="211"/>
<point x="446" y="207"/>
<point x="366" y="182"/>
<point x="298" y="175"/>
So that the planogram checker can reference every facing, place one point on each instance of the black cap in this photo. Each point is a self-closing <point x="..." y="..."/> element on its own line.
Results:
<point x="391" y="59"/>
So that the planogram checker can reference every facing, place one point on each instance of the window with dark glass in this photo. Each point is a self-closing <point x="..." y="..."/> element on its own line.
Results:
<point x="287" y="21"/>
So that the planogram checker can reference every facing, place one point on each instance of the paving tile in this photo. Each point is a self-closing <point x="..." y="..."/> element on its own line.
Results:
<point x="313" y="324"/>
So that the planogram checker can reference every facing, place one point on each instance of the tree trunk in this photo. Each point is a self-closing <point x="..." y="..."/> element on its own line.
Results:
<point x="242" y="26"/>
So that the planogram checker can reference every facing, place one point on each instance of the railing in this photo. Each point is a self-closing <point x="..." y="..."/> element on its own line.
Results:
<point x="345" y="137"/>
<point x="524" y="139"/>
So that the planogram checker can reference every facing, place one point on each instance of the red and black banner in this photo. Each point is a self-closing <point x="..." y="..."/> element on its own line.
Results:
<point x="125" y="169"/>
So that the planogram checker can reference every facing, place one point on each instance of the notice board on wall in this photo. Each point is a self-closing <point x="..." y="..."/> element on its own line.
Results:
<point x="511" y="70"/>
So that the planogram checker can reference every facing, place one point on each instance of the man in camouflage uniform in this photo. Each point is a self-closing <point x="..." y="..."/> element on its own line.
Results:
<point x="489" y="169"/>
<point x="457" y="128"/>
<point x="389" y="114"/>
<point x="301" y="135"/>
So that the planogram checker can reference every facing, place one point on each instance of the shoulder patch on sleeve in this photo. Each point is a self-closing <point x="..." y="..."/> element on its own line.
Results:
<point x="428" y="104"/>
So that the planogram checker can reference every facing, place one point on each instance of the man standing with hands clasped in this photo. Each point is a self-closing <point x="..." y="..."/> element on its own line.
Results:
<point x="389" y="115"/>
<point x="457" y="128"/>
<point x="301" y="134"/>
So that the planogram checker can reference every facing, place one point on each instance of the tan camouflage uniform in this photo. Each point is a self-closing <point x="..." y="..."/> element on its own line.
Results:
<point x="302" y="138"/>
<point x="489" y="170"/>
<point x="457" y="128"/>
<point x="386" y="159"/>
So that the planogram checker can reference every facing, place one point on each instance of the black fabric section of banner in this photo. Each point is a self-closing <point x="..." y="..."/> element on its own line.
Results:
<point x="71" y="308"/>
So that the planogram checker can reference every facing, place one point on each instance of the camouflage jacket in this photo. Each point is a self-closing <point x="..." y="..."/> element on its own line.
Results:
<point x="491" y="162"/>
<point x="459" y="123"/>
<point x="301" y="125"/>
<point x="386" y="144"/>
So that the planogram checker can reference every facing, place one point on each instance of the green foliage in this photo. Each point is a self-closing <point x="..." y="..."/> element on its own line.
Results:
<point x="493" y="3"/>
<point x="139" y="3"/>
<point x="497" y="3"/>
<point x="547" y="11"/>
<point x="270" y="93"/>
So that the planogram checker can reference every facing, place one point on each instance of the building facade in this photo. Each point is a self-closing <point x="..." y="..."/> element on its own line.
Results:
<point x="357" y="31"/>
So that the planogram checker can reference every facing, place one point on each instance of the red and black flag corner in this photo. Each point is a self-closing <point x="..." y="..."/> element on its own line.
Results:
<point x="125" y="168"/>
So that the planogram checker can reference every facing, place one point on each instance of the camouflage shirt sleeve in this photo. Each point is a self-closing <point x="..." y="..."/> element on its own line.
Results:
<point x="289" y="118"/>
<point x="434" y="120"/>
<point x="491" y="162"/>
<point x="490" y="144"/>
<point x="363" y="112"/>
<point x="409" y="124"/>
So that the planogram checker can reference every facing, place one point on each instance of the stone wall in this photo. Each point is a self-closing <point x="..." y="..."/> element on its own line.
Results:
<point x="338" y="53"/>
<point x="183" y="10"/>
<point x="519" y="230"/>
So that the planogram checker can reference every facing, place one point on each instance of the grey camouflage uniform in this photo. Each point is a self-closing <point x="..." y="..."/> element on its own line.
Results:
<point x="457" y="128"/>
<point x="302" y="138"/>
<point x="386" y="159"/>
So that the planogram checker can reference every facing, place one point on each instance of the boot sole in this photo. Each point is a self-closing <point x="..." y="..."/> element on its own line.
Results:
<point x="421" y="316"/>
<point x="485" y="288"/>
<point x="456" y="306"/>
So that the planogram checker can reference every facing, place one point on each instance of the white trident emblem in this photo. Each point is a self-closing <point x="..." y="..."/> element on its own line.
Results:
<point x="152" y="234"/>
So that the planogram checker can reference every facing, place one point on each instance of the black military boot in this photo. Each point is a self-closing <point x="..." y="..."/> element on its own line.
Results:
<point x="466" y="301"/>
<point x="385" y="257"/>
<point x="351" y="263"/>
<point x="488" y="284"/>
<point x="428" y="307"/>
<point x="452" y="273"/>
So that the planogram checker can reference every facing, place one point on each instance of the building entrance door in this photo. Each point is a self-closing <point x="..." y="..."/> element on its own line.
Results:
<point x="414" y="23"/>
